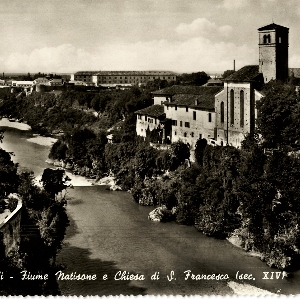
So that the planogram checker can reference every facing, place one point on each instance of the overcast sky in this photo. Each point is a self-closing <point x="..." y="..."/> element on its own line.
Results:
<point x="175" y="35"/>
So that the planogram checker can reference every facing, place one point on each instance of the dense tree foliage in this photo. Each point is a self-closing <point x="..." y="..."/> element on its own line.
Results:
<point x="198" y="78"/>
<point x="8" y="174"/>
<point x="227" y="73"/>
<point x="70" y="110"/>
<point x="43" y="226"/>
<point x="279" y="115"/>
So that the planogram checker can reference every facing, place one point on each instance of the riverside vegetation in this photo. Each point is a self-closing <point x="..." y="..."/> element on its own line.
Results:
<point x="43" y="225"/>
<point x="251" y="193"/>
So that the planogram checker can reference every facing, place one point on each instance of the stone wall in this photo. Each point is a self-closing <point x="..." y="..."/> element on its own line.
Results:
<point x="10" y="229"/>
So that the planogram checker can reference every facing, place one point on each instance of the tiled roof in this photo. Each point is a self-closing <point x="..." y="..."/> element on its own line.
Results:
<point x="182" y="89"/>
<point x="135" y="73"/>
<point x="188" y="95"/>
<point x="246" y="73"/>
<point x="271" y="27"/>
<point x="88" y="73"/>
<point x="127" y="73"/>
<point x="154" y="110"/>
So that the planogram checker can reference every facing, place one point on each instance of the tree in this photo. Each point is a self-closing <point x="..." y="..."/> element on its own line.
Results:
<point x="278" y="115"/>
<point x="217" y="187"/>
<point x="8" y="174"/>
<point x="179" y="153"/>
<point x="145" y="159"/>
<point x="227" y="73"/>
<point x="54" y="181"/>
<point x="198" y="78"/>
<point x="199" y="150"/>
<point x="58" y="150"/>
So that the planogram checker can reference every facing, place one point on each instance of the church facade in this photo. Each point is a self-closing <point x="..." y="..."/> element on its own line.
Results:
<point x="235" y="104"/>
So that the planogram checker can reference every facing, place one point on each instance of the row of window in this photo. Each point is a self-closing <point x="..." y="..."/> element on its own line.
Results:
<point x="187" y="124"/>
<point x="185" y="134"/>
<point x="186" y="108"/>
<point x="195" y="114"/>
<point x="150" y="120"/>
<point x="242" y="104"/>
<point x="106" y="77"/>
<point x="267" y="39"/>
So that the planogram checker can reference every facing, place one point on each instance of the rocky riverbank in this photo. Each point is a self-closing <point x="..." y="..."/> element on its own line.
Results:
<point x="4" y="122"/>
<point x="87" y="173"/>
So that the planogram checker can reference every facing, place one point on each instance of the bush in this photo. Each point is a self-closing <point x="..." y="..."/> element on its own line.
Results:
<point x="12" y="203"/>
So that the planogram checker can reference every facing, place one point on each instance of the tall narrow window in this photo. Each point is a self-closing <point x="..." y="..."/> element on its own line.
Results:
<point x="209" y="117"/>
<point x="222" y="112"/>
<point x="194" y="115"/>
<point x="242" y="108"/>
<point x="232" y="106"/>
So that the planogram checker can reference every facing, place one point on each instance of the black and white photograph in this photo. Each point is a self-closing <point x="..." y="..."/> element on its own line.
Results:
<point x="149" y="147"/>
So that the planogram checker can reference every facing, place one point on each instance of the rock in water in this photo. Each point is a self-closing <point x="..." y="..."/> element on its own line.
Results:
<point x="115" y="188"/>
<point x="160" y="214"/>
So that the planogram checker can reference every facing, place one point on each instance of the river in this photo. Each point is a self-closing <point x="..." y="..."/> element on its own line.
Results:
<point x="111" y="233"/>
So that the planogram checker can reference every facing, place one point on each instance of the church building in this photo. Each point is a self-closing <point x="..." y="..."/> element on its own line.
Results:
<point x="235" y="104"/>
<point x="222" y="115"/>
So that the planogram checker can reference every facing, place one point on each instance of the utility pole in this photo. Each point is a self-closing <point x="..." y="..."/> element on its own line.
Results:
<point x="227" y="114"/>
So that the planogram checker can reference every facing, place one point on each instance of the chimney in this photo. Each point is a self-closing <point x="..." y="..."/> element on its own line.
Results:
<point x="234" y="64"/>
<point x="196" y="102"/>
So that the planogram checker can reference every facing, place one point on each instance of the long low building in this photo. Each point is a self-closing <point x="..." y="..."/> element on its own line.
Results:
<point x="113" y="78"/>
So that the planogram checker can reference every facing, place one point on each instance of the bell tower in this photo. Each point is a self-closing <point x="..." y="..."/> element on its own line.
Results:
<point x="273" y="52"/>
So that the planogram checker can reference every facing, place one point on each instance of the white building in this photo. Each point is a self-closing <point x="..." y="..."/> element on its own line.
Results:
<point x="23" y="84"/>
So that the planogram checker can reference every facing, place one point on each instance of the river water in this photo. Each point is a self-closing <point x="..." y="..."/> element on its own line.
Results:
<point x="111" y="233"/>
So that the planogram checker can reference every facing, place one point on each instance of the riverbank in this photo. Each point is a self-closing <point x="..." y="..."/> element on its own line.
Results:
<point x="4" y="122"/>
<point x="42" y="140"/>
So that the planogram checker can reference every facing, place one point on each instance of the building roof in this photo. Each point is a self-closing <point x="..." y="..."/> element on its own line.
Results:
<point x="154" y="111"/>
<point x="197" y="97"/>
<point x="214" y="82"/>
<point x="246" y="73"/>
<point x="126" y="73"/>
<point x="185" y="89"/>
<point x="272" y="27"/>
<point x="56" y="80"/>
<point x="89" y="73"/>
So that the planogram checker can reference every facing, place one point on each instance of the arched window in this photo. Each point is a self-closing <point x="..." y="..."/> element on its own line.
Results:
<point x="242" y="108"/>
<point x="185" y="134"/>
<point x="232" y="106"/>
<point x="267" y="39"/>
<point x="222" y="112"/>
